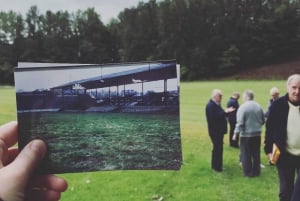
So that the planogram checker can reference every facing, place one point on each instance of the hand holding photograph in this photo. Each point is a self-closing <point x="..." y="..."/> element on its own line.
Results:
<point x="101" y="117"/>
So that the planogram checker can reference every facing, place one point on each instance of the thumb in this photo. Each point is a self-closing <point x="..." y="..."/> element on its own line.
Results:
<point x="20" y="170"/>
<point x="28" y="159"/>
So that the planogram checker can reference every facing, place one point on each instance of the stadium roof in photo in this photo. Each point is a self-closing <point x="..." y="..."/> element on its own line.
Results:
<point x="148" y="73"/>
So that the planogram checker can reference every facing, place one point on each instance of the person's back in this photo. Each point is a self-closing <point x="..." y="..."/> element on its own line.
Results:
<point x="253" y="117"/>
<point x="250" y="118"/>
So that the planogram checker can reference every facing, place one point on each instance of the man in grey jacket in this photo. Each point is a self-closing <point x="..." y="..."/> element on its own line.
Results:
<point x="250" y="118"/>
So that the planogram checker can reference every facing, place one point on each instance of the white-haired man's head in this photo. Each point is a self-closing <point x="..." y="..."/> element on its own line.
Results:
<point x="216" y="95"/>
<point x="274" y="92"/>
<point x="293" y="88"/>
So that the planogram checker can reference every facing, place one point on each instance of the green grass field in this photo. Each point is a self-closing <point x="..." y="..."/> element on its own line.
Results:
<point x="195" y="181"/>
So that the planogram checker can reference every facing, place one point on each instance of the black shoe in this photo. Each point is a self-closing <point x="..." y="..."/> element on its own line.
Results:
<point x="249" y="175"/>
<point x="218" y="169"/>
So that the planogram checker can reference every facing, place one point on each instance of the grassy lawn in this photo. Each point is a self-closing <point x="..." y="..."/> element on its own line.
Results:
<point x="7" y="104"/>
<point x="195" y="180"/>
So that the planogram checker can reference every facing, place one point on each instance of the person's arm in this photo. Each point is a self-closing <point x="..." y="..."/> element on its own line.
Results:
<point x="268" y="142"/>
<point x="239" y="126"/>
<point x="263" y="120"/>
<point x="266" y="113"/>
<point x="17" y="179"/>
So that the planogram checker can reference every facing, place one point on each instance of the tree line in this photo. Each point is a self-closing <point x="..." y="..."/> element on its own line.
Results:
<point x="207" y="37"/>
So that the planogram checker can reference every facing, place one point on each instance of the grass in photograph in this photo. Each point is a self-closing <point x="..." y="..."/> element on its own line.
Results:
<point x="105" y="141"/>
<point x="195" y="180"/>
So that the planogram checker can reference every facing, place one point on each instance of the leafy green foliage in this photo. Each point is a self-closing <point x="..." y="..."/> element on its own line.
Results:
<point x="229" y="60"/>
<point x="209" y="38"/>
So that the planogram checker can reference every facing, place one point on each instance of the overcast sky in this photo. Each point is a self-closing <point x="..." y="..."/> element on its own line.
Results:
<point x="108" y="9"/>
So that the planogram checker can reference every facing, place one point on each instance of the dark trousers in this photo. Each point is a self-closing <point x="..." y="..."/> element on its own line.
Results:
<point x="217" y="152"/>
<point x="250" y="155"/>
<point x="287" y="168"/>
<point x="296" y="192"/>
<point x="233" y="143"/>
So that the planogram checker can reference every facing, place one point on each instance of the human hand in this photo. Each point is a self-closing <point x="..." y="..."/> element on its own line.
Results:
<point x="270" y="155"/>
<point x="17" y="181"/>
<point x="234" y="137"/>
<point x="229" y="109"/>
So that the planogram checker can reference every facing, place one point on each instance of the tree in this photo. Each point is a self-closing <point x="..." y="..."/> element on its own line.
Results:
<point x="58" y="34"/>
<point x="207" y="37"/>
<point x="95" y="42"/>
<point x="229" y="60"/>
<point x="139" y="33"/>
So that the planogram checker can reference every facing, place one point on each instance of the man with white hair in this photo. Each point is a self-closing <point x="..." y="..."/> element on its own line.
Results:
<point x="274" y="93"/>
<point x="217" y="127"/>
<point x="250" y="118"/>
<point x="283" y="129"/>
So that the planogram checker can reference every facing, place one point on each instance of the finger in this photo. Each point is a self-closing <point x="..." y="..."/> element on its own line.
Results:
<point x="3" y="153"/>
<point x="12" y="154"/>
<point x="50" y="182"/>
<point x="9" y="133"/>
<point x="28" y="159"/>
<point x="45" y="195"/>
<point x="8" y="137"/>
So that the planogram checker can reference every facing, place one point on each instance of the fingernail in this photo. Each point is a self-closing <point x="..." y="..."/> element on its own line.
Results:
<point x="37" y="146"/>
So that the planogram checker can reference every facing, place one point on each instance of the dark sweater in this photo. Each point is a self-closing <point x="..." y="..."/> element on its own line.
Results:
<point x="276" y="126"/>
<point x="232" y="102"/>
<point x="216" y="119"/>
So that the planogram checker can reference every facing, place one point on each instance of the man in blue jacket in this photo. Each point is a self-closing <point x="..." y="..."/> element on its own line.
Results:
<point x="283" y="129"/>
<point x="217" y="127"/>
<point x="233" y="102"/>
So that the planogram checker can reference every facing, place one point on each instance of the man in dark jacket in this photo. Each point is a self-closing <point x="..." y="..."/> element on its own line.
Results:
<point x="233" y="102"/>
<point x="283" y="129"/>
<point x="217" y="127"/>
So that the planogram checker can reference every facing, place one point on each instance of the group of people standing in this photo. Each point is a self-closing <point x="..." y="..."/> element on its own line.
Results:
<point x="282" y="119"/>
<point x="245" y="129"/>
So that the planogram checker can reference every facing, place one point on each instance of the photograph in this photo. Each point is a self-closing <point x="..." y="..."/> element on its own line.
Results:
<point x="92" y="117"/>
